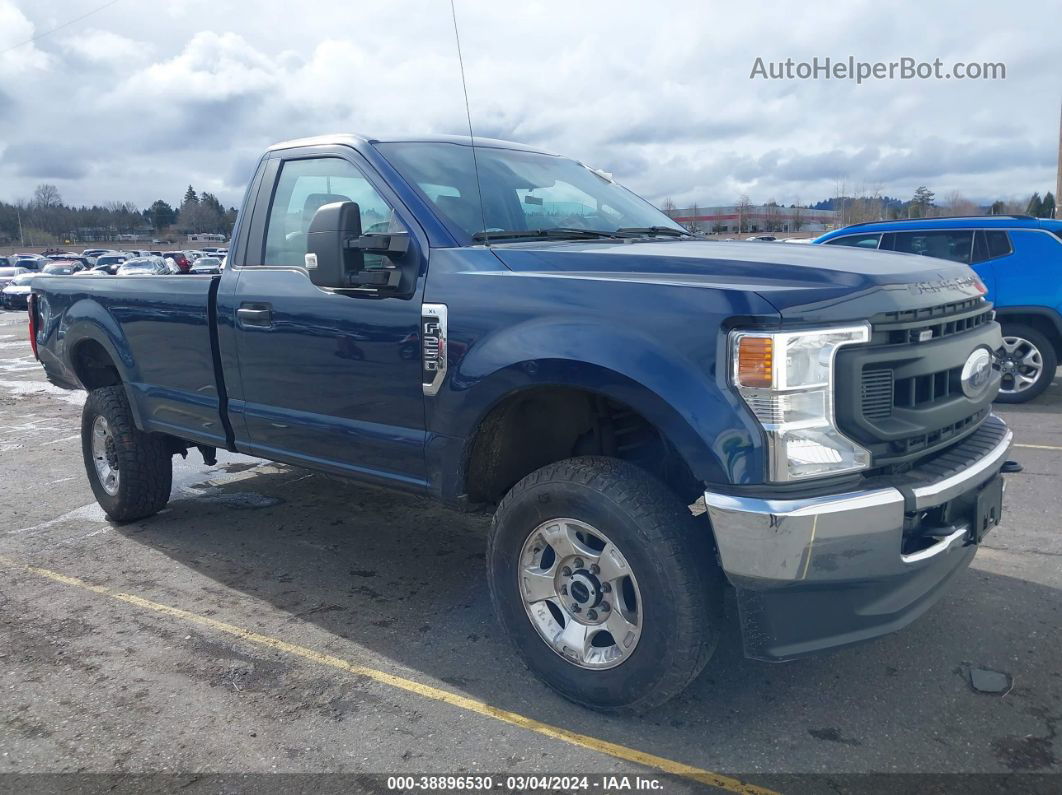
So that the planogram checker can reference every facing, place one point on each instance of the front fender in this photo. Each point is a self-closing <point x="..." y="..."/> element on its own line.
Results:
<point x="675" y="387"/>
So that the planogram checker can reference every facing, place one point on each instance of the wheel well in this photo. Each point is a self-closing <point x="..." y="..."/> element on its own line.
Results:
<point x="540" y="426"/>
<point x="94" y="366"/>
<point x="1041" y="323"/>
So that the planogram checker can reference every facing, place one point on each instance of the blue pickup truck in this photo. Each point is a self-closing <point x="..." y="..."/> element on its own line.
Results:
<point x="652" y="417"/>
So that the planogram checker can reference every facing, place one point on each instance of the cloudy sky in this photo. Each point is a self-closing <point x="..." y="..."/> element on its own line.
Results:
<point x="136" y="101"/>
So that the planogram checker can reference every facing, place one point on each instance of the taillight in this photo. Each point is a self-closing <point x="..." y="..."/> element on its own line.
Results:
<point x="31" y="304"/>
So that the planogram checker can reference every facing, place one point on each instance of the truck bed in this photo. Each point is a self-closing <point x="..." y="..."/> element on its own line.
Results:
<point x="156" y="329"/>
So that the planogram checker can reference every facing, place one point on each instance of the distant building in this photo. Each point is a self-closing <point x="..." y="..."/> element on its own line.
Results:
<point x="206" y="237"/>
<point x="756" y="218"/>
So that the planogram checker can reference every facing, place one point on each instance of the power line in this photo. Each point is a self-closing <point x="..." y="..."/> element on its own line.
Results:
<point x="66" y="24"/>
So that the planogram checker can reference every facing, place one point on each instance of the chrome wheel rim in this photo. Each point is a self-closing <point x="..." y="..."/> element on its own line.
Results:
<point x="1021" y="365"/>
<point x="580" y="594"/>
<point x="105" y="456"/>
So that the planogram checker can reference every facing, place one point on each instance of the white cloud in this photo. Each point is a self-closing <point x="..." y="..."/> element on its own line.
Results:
<point x="661" y="96"/>
<point x="15" y="56"/>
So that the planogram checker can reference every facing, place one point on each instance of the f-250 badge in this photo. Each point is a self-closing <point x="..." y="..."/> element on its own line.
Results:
<point x="433" y="347"/>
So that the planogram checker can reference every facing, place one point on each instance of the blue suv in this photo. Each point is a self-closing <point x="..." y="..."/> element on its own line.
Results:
<point x="1018" y="257"/>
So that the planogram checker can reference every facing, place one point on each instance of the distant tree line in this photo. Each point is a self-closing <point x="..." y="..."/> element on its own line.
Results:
<point x="45" y="219"/>
<point x="869" y="205"/>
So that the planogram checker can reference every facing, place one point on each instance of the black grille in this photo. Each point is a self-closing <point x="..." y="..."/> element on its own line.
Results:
<point x="901" y="396"/>
<point x="921" y="442"/>
<point x="912" y="326"/>
<point x="920" y="390"/>
<point x="877" y="394"/>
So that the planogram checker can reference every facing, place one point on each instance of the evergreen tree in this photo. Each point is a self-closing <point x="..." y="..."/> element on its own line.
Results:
<point x="1035" y="207"/>
<point x="1047" y="206"/>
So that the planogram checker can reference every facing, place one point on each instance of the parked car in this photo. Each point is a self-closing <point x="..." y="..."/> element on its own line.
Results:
<point x="95" y="252"/>
<point x="109" y="263"/>
<point x="85" y="262"/>
<point x="7" y="274"/>
<point x="33" y="262"/>
<point x="63" y="267"/>
<point x="206" y="265"/>
<point x="16" y="293"/>
<point x="144" y="266"/>
<point x="180" y="259"/>
<point x="1019" y="259"/>
<point x="5" y="262"/>
<point x="763" y="238"/>
<point x="591" y="374"/>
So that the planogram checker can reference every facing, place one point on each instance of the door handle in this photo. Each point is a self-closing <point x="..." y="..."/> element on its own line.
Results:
<point x="260" y="315"/>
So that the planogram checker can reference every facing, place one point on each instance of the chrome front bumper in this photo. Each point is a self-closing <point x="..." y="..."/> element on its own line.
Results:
<point x="820" y="572"/>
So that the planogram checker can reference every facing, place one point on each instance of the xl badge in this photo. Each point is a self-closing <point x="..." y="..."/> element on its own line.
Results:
<point x="433" y="347"/>
<point x="976" y="373"/>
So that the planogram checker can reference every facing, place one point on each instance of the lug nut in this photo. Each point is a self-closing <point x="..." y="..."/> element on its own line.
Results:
<point x="566" y="572"/>
<point x="605" y="607"/>
<point x="595" y="569"/>
<point x="564" y="590"/>
<point x="575" y="608"/>
<point x="606" y="587"/>
<point x="591" y="614"/>
<point x="578" y="563"/>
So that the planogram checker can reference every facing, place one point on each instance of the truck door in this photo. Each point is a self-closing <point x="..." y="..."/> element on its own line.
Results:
<point x="328" y="378"/>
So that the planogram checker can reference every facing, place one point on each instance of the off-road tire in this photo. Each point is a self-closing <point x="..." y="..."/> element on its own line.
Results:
<point x="144" y="461"/>
<point x="669" y="551"/>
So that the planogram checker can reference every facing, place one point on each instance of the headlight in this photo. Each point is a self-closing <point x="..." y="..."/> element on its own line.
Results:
<point x="786" y="378"/>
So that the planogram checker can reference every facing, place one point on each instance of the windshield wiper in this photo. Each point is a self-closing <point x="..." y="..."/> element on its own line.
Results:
<point x="665" y="231"/>
<point x="556" y="231"/>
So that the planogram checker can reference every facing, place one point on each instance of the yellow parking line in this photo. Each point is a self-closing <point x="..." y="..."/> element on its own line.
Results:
<point x="660" y="763"/>
<point x="1039" y="446"/>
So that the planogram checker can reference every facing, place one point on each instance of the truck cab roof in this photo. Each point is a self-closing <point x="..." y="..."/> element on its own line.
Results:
<point x="359" y="141"/>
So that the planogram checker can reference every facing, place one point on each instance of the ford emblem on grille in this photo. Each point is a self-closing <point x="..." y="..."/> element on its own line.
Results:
<point x="976" y="373"/>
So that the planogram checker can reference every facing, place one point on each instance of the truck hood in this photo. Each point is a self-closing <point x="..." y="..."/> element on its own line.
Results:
<point x="802" y="282"/>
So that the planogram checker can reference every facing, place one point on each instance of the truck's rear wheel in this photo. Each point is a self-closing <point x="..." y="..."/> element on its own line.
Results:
<point x="130" y="471"/>
<point x="1028" y="363"/>
<point x="605" y="583"/>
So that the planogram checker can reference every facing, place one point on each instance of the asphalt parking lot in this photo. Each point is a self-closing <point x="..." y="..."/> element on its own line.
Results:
<point x="274" y="620"/>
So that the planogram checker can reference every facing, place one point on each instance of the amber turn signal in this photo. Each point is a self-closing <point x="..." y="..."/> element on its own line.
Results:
<point x="755" y="361"/>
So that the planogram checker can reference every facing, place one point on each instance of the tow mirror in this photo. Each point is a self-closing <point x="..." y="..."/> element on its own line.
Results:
<point x="328" y="260"/>
<point x="336" y="249"/>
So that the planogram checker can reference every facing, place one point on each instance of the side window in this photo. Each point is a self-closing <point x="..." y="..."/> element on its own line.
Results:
<point x="859" y="241"/>
<point x="302" y="188"/>
<point x="998" y="244"/>
<point x="955" y="246"/>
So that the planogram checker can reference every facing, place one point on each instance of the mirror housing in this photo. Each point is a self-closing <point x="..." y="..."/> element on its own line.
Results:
<point x="336" y="249"/>
<point x="328" y="260"/>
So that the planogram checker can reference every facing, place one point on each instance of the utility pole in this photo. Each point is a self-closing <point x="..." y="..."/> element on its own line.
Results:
<point x="1058" y="176"/>
<point x="21" y="237"/>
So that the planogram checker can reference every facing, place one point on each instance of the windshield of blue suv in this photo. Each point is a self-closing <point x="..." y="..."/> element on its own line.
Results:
<point x="523" y="193"/>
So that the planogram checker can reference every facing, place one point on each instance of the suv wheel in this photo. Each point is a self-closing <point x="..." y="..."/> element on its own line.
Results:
<point x="1028" y="364"/>
<point x="605" y="583"/>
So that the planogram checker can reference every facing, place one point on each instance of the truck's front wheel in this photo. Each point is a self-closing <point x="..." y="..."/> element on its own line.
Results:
<point x="130" y="471"/>
<point x="605" y="583"/>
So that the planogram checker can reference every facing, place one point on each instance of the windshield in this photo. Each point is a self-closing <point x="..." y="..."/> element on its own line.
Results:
<point x="522" y="191"/>
<point x="59" y="270"/>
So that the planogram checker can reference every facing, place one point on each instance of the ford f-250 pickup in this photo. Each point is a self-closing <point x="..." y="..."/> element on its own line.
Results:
<point x="654" y="417"/>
